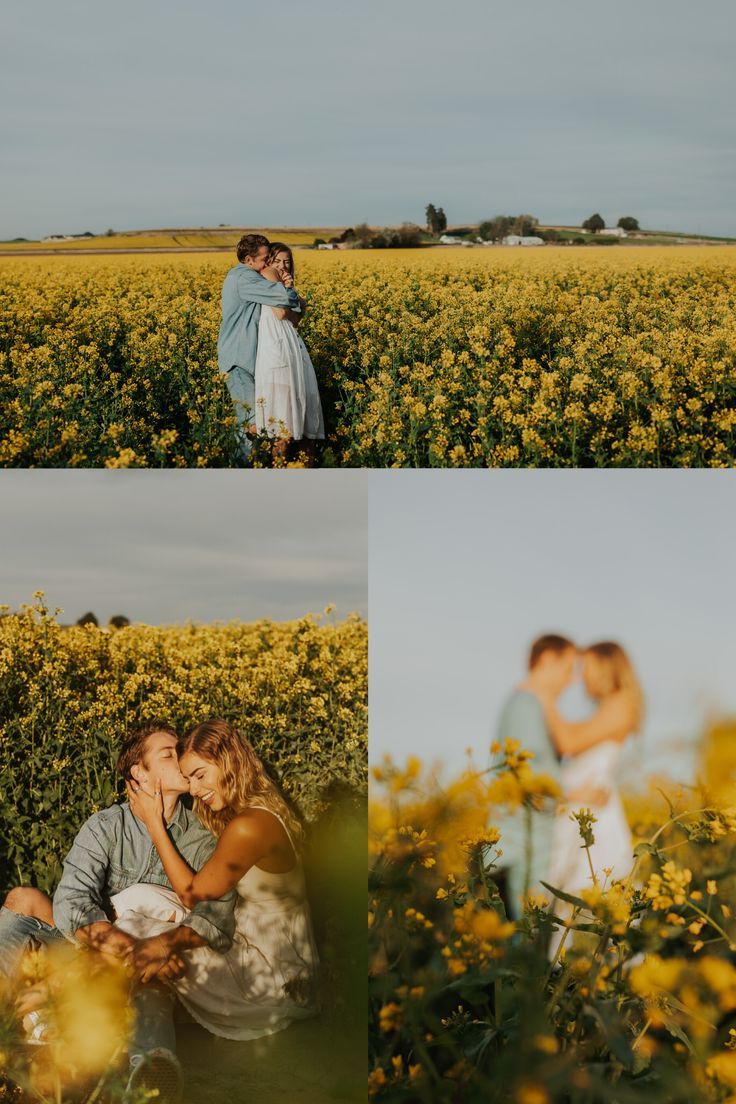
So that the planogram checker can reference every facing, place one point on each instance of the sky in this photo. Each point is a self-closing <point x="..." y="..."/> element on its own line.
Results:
<point x="169" y="547"/>
<point x="465" y="573"/>
<point x="286" y="113"/>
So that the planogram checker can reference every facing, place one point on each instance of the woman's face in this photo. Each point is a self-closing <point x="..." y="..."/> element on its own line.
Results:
<point x="282" y="263"/>
<point x="204" y="780"/>
<point x="595" y="676"/>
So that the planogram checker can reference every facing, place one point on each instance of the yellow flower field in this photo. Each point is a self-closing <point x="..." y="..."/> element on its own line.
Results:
<point x="635" y="999"/>
<point x="554" y="357"/>
<point x="297" y="690"/>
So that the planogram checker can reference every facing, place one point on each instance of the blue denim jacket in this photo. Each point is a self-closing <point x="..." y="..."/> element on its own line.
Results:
<point x="243" y="293"/>
<point x="113" y="850"/>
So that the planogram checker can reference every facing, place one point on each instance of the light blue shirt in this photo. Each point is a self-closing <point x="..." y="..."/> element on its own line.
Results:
<point x="113" y="850"/>
<point x="244" y="292"/>
<point x="522" y="719"/>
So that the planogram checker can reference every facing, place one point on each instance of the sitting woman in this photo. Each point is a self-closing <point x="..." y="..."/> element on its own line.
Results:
<point x="268" y="977"/>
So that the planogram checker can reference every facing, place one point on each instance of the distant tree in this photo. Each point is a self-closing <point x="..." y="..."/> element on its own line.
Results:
<point x="347" y="235"/>
<point x="627" y="222"/>
<point x="110" y="234"/>
<point x="594" y="223"/>
<point x="495" y="229"/>
<point x="523" y="225"/>
<point x="363" y="235"/>
<point x="318" y="241"/>
<point x="88" y="619"/>
<point x="436" y="220"/>
<point x="119" y="621"/>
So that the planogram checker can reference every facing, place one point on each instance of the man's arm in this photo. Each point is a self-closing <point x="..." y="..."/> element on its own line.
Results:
<point x="267" y="292"/>
<point x="213" y="920"/>
<point x="78" y="900"/>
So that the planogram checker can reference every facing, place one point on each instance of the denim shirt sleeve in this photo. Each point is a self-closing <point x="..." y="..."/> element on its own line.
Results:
<point x="78" y="900"/>
<point x="213" y="920"/>
<point x="266" y="292"/>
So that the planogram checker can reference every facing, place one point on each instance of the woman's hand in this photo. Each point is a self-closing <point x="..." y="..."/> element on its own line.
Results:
<point x="147" y="807"/>
<point x="287" y="280"/>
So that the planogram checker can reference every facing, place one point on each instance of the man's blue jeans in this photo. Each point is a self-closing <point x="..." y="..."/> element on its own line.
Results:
<point x="153" y="1004"/>
<point x="241" y="384"/>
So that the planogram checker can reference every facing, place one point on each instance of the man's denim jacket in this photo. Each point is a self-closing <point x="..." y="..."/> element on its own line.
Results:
<point x="113" y="850"/>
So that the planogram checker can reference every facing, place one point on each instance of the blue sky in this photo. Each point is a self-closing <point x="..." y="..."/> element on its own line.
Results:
<point x="165" y="547"/>
<point x="331" y="112"/>
<point x="465" y="572"/>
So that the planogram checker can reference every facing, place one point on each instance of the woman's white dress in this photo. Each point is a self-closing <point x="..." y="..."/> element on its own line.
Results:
<point x="287" y="396"/>
<point x="266" y="979"/>
<point x="594" y="768"/>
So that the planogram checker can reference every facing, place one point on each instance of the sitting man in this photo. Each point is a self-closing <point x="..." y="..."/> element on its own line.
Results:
<point x="111" y="852"/>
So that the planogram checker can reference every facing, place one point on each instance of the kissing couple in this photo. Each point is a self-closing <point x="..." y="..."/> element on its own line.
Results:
<point x="209" y="907"/>
<point x="581" y="757"/>
<point x="267" y="368"/>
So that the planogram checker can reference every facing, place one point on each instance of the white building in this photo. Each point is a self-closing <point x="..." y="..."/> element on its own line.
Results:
<point x="613" y="232"/>
<point x="516" y="239"/>
<point x="448" y="239"/>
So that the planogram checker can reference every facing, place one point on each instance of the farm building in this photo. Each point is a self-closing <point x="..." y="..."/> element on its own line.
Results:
<point x="517" y="239"/>
<point x="613" y="232"/>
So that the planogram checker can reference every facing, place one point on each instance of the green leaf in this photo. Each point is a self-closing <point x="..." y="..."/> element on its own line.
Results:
<point x="578" y="902"/>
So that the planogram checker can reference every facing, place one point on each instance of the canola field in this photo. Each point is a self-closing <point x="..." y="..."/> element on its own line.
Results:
<point x="451" y="358"/>
<point x="623" y="992"/>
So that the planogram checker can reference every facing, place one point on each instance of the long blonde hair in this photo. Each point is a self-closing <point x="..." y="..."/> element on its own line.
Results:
<point x="620" y="676"/>
<point x="243" y="779"/>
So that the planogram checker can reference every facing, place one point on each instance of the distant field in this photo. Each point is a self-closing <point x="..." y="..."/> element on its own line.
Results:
<point x="224" y="238"/>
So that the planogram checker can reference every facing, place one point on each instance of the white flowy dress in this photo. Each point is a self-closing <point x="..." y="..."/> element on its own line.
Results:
<point x="594" y="768"/>
<point x="287" y="396"/>
<point x="266" y="979"/>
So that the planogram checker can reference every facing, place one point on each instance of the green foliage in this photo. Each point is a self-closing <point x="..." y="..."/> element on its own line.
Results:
<point x="594" y="223"/>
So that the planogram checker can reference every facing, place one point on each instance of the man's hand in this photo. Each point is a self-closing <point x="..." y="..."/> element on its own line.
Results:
<point x="105" y="937"/>
<point x="152" y="958"/>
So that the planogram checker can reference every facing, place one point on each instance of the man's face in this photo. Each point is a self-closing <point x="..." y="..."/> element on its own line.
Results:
<point x="563" y="669"/>
<point x="258" y="263"/>
<point x="160" y="764"/>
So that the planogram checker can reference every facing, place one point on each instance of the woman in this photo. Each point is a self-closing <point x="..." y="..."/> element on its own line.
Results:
<point x="593" y="748"/>
<point x="287" y="396"/>
<point x="267" y="978"/>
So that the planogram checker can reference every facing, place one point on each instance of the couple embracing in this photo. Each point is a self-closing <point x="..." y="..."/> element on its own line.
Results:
<point x="580" y="756"/>
<point x="208" y="907"/>
<point x="266" y="366"/>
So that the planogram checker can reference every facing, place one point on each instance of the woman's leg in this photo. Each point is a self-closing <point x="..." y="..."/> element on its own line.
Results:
<point x="27" y="901"/>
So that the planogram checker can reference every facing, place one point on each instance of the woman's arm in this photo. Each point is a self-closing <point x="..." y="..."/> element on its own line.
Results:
<point x="613" y="720"/>
<point x="241" y="845"/>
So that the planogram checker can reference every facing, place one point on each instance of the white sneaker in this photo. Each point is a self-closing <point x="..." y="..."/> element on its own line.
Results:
<point x="156" y="1069"/>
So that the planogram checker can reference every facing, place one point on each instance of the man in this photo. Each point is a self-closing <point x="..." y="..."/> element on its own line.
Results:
<point x="244" y="292"/>
<point x="112" y="851"/>
<point x="551" y="669"/>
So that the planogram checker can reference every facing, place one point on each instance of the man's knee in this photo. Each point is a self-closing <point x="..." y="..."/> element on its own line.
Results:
<point x="24" y="900"/>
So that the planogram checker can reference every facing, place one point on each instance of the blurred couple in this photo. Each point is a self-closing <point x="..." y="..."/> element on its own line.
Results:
<point x="266" y="366"/>
<point x="206" y="906"/>
<point x="581" y="757"/>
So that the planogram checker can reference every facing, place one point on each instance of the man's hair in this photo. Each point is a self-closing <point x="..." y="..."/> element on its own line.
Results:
<point x="550" y="642"/>
<point x="249" y="245"/>
<point x="134" y="745"/>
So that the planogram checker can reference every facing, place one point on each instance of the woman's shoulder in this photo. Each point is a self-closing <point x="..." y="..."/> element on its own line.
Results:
<point x="252" y="822"/>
